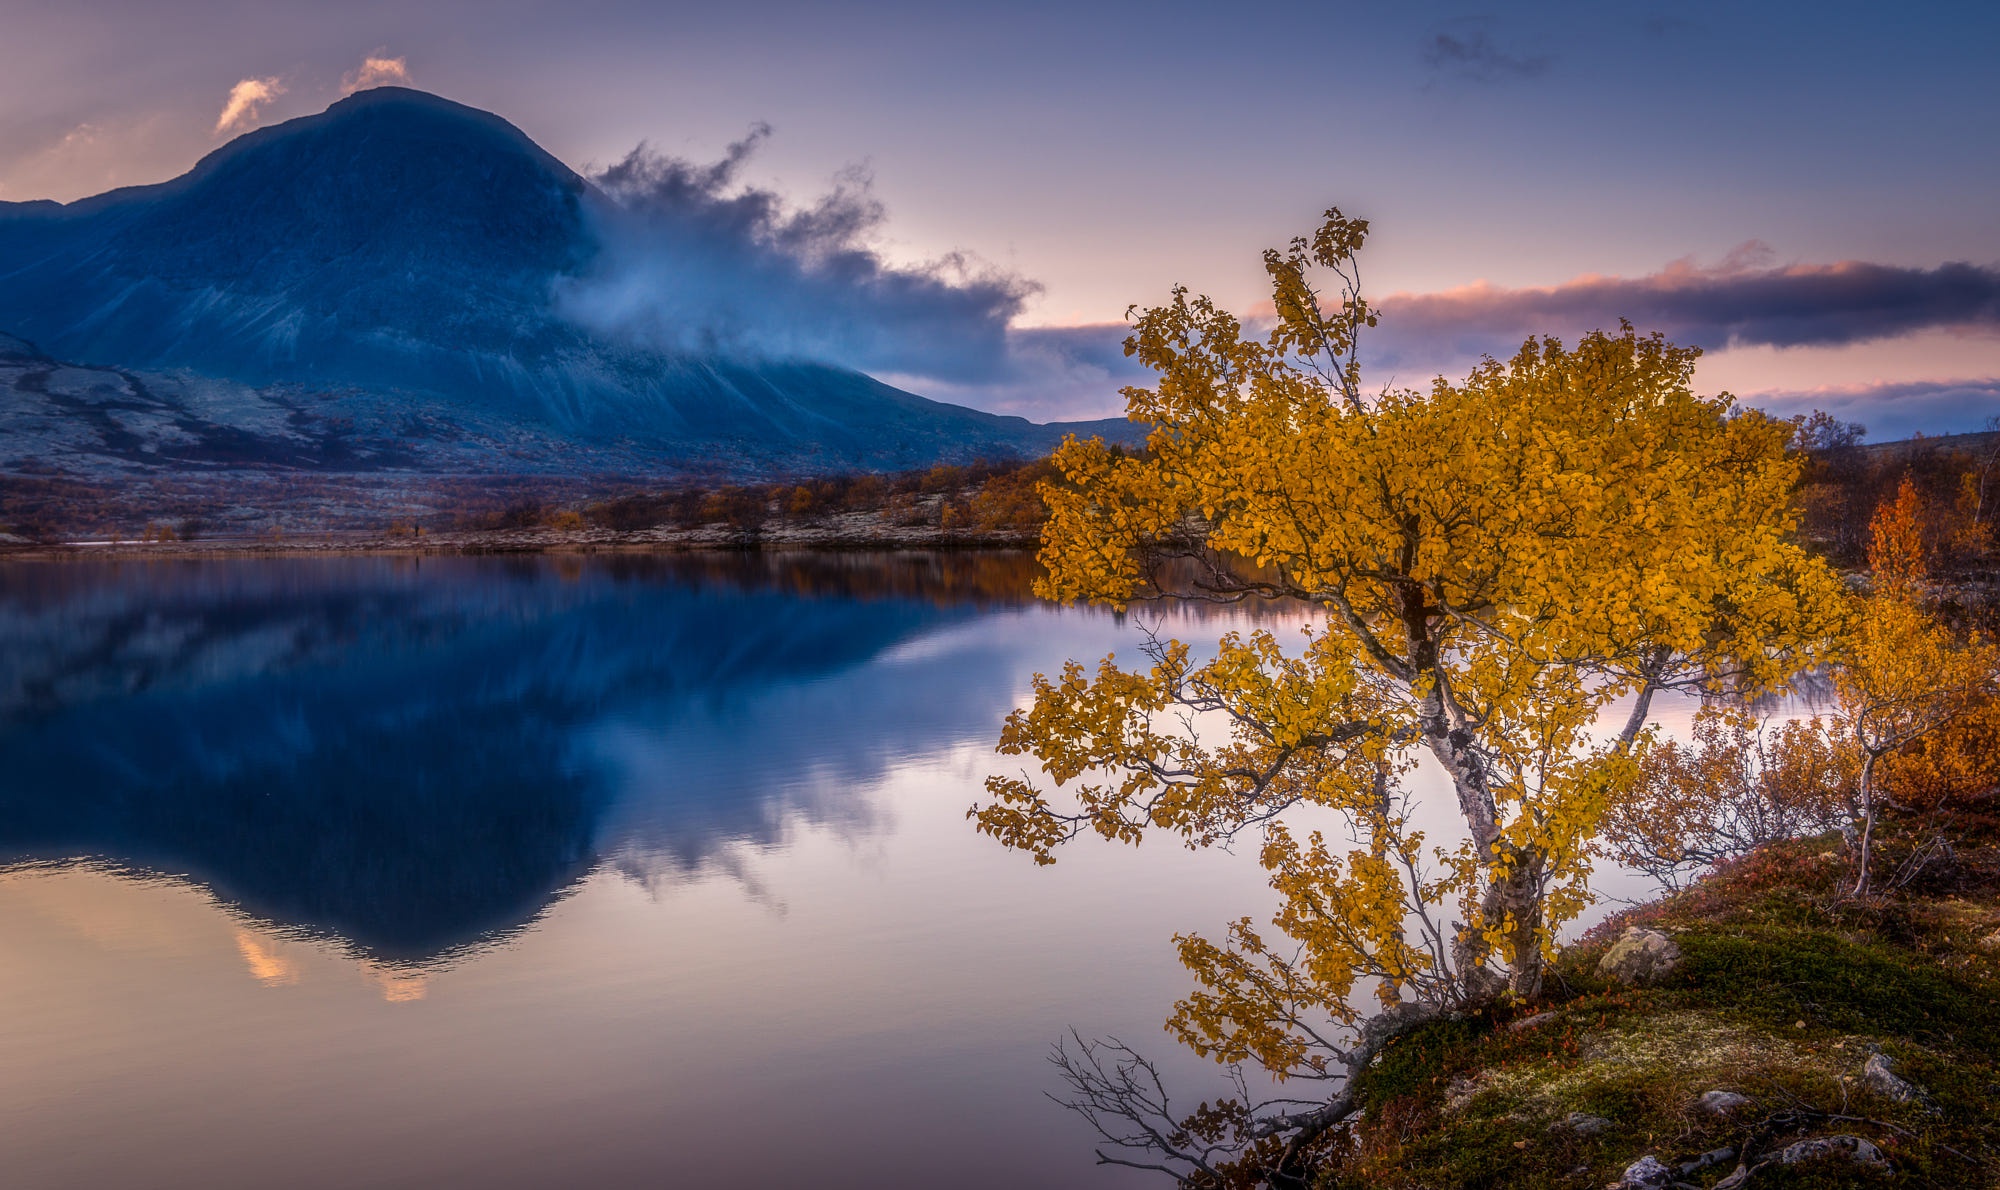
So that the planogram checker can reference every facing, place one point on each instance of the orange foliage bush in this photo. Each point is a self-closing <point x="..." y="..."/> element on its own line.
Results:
<point x="1737" y="785"/>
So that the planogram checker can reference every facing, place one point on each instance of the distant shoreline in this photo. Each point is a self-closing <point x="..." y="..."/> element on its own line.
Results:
<point x="837" y="535"/>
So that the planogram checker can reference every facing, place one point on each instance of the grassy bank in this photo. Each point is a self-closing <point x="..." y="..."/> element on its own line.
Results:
<point x="1784" y="991"/>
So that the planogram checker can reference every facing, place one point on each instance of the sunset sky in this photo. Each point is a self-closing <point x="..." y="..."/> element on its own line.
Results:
<point x="1783" y="184"/>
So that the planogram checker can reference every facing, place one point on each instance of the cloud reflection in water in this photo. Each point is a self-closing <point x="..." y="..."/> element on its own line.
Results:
<point x="417" y="759"/>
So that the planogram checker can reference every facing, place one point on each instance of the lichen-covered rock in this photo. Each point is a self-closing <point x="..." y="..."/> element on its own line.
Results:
<point x="1460" y="1091"/>
<point x="1531" y="1022"/>
<point x="1581" y="1123"/>
<point x="1640" y="956"/>
<point x="1863" y="1152"/>
<point x="1647" y="1173"/>
<point x="1880" y="1075"/>
<point x="1722" y="1103"/>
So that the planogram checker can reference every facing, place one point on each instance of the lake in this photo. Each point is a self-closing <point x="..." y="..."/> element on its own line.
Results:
<point x="499" y="872"/>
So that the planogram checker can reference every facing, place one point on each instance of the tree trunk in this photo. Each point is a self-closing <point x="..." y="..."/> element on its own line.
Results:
<point x="1867" y="821"/>
<point x="1513" y="907"/>
<point x="1510" y="907"/>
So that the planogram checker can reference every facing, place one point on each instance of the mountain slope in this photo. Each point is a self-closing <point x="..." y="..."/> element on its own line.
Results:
<point x="394" y="258"/>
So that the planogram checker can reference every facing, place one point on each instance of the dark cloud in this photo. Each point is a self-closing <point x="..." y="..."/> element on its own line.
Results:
<point x="1475" y="56"/>
<point x="693" y="261"/>
<point x="1741" y="302"/>
<point x="1052" y="373"/>
<point x="696" y="261"/>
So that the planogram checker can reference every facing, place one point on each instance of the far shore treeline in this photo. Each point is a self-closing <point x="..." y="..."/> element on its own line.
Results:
<point x="1956" y="479"/>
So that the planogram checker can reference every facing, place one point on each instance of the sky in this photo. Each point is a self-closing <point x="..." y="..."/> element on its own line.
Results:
<point x="1806" y="191"/>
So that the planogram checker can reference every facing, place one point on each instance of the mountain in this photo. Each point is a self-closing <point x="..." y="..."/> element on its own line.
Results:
<point x="372" y="288"/>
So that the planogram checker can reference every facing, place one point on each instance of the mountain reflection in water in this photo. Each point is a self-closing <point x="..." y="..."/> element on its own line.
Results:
<point x="515" y="873"/>
<point x="415" y="757"/>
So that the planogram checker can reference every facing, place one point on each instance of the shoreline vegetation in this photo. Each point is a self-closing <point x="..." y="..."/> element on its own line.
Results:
<point x="1786" y="1035"/>
<point x="848" y="533"/>
<point x="983" y="505"/>
<point x="986" y="505"/>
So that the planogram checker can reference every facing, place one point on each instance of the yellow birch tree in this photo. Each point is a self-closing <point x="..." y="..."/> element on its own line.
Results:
<point x="1488" y="567"/>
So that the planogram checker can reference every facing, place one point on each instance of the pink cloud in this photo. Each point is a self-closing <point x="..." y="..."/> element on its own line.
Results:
<point x="246" y="100"/>
<point x="377" y="70"/>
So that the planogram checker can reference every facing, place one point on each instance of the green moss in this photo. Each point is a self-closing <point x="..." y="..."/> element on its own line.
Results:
<point x="1418" y="1063"/>
<point x="1779" y="976"/>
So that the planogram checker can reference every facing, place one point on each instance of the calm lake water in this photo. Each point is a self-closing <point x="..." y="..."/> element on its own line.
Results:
<point x="554" y="872"/>
<point x="549" y="872"/>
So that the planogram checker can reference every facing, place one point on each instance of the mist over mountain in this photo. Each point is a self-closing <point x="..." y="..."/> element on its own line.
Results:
<point x="402" y="282"/>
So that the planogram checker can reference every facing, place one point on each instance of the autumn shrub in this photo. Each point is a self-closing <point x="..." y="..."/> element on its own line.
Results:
<point x="522" y="514"/>
<point x="1903" y="676"/>
<point x="1952" y="487"/>
<point x="744" y="509"/>
<point x="955" y="514"/>
<point x="1734" y="786"/>
<point x="1956" y="767"/>
<point x="863" y="493"/>
<point x="1013" y="499"/>
<point x="1913" y="723"/>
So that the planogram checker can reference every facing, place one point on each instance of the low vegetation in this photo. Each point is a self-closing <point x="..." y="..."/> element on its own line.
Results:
<point x="1787" y="987"/>
<point x="1953" y="482"/>
<point x="991" y="501"/>
<point x="983" y="496"/>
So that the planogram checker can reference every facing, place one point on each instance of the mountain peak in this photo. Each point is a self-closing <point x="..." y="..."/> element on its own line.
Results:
<point x="391" y="116"/>
<point x="393" y="212"/>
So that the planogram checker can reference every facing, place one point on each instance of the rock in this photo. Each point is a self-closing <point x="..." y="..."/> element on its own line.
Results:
<point x="1879" y="1073"/>
<point x="1581" y="1123"/>
<point x="1722" y="1103"/>
<point x="1531" y="1022"/>
<point x="1640" y="956"/>
<point x="1460" y="1090"/>
<point x="1991" y="941"/>
<point x="1646" y="1174"/>
<point x="1863" y="1152"/>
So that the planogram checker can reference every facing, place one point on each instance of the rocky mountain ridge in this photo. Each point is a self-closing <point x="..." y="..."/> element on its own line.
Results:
<point x="371" y="289"/>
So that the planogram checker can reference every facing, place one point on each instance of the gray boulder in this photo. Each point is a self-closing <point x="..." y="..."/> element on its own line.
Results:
<point x="1581" y="1123"/>
<point x="1880" y="1075"/>
<point x="1861" y="1151"/>
<point x="1640" y="956"/>
<point x="1722" y="1103"/>
<point x="1647" y="1173"/>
